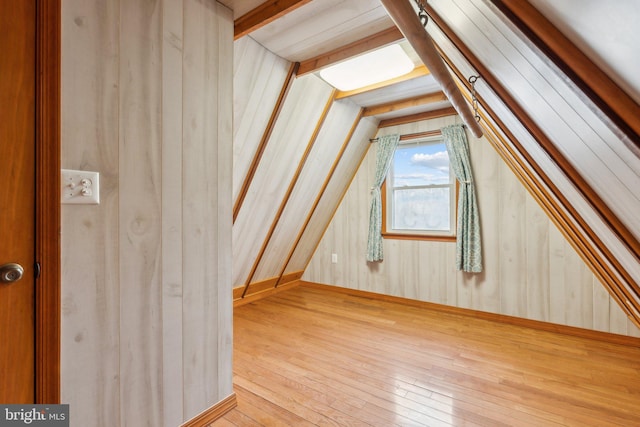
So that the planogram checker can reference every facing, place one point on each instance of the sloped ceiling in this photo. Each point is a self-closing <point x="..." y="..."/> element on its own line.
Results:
<point x="558" y="96"/>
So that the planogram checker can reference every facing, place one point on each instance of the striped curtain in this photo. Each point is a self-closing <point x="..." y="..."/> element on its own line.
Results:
<point x="468" y="244"/>
<point x="386" y="147"/>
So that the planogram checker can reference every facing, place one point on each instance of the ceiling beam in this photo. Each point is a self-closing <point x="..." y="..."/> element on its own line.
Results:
<point x="419" y="71"/>
<point x="267" y="12"/>
<point x="383" y="38"/>
<point x="408" y="22"/>
<point x="402" y="104"/>
<point x="412" y="118"/>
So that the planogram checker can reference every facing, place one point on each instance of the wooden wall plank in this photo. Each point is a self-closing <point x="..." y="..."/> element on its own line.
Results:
<point x="537" y="261"/>
<point x="207" y="205"/>
<point x="90" y="240"/>
<point x="139" y="189"/>
<point x="172" y="220"/>
<point x="258" y="77"/>
<point x="512" y="219"/>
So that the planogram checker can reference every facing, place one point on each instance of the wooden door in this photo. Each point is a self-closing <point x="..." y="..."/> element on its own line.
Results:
<point x="17" y="198"/>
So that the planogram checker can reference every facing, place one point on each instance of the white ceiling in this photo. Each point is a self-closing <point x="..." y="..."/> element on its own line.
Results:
<point x="321" y="26"/>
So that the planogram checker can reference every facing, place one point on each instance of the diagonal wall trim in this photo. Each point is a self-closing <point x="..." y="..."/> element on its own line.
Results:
<point x="292" y="184"/>
<point x="288" y="82"/>
<point x="319" y="197"/>
<point x="570" y="222"/>
<point x="340" y="199"/>
<point x="267" y="12"/>
<point x="619" y="107"/>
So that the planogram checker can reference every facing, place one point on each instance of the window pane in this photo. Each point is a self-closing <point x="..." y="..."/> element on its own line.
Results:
<point x="421" y="209"/>
<point x="423" y="164"/>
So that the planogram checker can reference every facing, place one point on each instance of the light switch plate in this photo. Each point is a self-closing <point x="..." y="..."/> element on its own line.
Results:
<point x="80" y="187"/>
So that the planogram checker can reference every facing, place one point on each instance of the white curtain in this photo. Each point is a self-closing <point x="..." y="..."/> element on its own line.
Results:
<point x="468" y="244"/>
<point x="384" y="155"/>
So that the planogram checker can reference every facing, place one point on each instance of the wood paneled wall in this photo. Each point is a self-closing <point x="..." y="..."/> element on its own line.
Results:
<point x="331" y="197"/>
<point x="146" y="277"/>
<point x="530" y="270"/>
<point x="586" y="157"/>
<point x="291" y="135"/>
<point x="258" y="76"/>
<point x="331" y="138"/>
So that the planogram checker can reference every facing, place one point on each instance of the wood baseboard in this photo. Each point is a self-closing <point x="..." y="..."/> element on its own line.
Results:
<point x="607" y="337"/>
<point x="210" y="415"/>
<point x="265" y="293"/>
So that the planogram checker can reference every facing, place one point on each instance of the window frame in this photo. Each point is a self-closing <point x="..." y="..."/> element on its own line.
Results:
<point x="431" y="235"/>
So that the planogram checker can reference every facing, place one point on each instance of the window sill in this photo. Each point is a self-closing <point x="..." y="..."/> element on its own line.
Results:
<point x="407" y="236"/>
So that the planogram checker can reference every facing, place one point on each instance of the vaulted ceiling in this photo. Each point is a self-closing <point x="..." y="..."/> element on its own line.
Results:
<point x="557" y="95"/>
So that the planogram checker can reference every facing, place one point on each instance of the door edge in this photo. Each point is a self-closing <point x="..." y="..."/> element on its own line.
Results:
<point x="47" y="220"/>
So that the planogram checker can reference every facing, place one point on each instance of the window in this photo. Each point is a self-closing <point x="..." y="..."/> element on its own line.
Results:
<point x="419" y="197"/>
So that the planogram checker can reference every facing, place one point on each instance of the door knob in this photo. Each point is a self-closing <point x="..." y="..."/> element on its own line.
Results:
<point x="11" y="272"/>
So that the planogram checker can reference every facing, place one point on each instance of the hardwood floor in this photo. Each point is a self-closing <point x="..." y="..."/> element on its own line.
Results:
<point x="310" y="356"/>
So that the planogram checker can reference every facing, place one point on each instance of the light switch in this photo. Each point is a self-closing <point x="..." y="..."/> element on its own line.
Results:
<point x="334" y="258"/>
<point x="80" y="187"/>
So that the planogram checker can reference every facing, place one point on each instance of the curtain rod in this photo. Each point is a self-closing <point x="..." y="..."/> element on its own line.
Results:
<point x="409" y="136"/>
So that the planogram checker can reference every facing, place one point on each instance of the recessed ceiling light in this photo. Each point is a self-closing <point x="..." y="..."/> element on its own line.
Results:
<point x="370" y="68"/>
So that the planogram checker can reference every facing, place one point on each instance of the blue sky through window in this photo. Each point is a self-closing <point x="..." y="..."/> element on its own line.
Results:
<point x="421" y="164"/>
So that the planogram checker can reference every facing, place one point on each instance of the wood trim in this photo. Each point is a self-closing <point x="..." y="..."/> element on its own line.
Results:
<point x="419" y="71"/>
<point x="406" y="236"/>
<point x="335" y="208"/>
<point x="292" y="184"/>
<point x="358" y="47"/>
<point x="264" y="14"/>
<point x="262" y="285"/>
<point x="48" y="300"/>
<point x="320" y="194"/>
<point x="427" y="115"/>
<point x="606" y="337"/>
<point x="589" y="242"/>
<point x="237" y="292"/>
<point x="402" y="104"/>
<point x="264" y="294"/>
<point x="614" y="102"/>
<point x="214" y="413"/>
<point x="290" y="277"/>
<point x="288" y="82"/>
